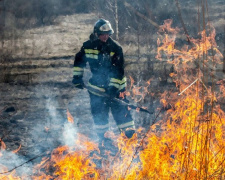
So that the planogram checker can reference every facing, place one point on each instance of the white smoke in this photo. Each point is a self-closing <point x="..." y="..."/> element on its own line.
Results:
<point x="69" y="134"/>
<point x="10" y="161"/>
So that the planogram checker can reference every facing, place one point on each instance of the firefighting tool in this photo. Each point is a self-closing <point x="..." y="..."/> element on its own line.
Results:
<point x="120" y="101"/>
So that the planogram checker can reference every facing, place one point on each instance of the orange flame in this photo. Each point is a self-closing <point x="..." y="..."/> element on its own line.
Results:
<point x="15" y="151"/>
<point x="10" y="176"/>
<point x="136" y="93"/>
<point x="69" y="117"/>
<point x="71" y="163"/>
<point x="2" y="146"/>
<point x="4" y="173"/>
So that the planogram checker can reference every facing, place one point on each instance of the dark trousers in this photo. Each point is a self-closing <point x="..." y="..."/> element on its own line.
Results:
<point x="100" y="107"/>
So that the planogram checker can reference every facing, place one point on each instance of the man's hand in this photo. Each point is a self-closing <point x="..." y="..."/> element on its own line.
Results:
<point x="112" y="91"/>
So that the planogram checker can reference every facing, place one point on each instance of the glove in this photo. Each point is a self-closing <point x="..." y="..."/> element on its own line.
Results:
<point x="78" y="82"/>
<point x="112" y="91"/>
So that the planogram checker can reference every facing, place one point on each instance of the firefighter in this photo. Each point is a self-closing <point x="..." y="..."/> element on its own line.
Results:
<point x="106" y="61"/>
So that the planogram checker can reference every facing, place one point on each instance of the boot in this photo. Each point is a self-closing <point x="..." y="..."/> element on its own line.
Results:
<point x="129" y="133"/>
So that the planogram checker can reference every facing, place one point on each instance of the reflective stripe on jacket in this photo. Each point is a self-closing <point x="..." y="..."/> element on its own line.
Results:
<point x="106" y="63"/>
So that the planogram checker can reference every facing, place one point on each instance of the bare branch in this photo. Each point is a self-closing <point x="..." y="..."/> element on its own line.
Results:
<point x="40" y="155"/>
<point x="141" y="15"/>
<point x="182" y="21"/>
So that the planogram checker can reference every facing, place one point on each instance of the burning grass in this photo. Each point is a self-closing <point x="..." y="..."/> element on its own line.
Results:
<point x="188" y="143"/>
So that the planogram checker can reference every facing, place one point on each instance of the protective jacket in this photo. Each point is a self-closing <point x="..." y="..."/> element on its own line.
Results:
<point x="106" y="63"/>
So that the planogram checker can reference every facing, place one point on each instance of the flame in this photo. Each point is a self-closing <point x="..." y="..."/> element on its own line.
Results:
<point x="136" y="93"/>
<point x="192" y="138"/>
<point x="69" y="117"/>
<point x="70" y="162"/>
<point x="10" y="176"/>
<point x="15" y="151"/>
<point x="185" y="60"/>
<point x="2" y="145"/>
<point x="5" y="174"/>
<point x="138" y="109"/>
<point x="187" y="147"/>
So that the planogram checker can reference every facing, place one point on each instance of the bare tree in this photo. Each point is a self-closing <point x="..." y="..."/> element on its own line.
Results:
<point x="116" y="21"/>
<point x="2" y="20"/>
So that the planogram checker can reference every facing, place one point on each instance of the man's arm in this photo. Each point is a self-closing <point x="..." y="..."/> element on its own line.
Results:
<point x="78" y="68"/>
<point x="117" y="82"/>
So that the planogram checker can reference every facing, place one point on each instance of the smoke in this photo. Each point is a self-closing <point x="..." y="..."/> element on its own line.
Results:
<point x="61" y="132"/>
<point x="69" y="134"/>
<point x="55" y="130"/>
<point x="10" y="160"/>
<point x="46" y="135"/>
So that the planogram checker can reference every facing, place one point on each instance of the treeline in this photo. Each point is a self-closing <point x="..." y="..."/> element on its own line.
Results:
<point x="37" y="13"/>
<point x="25" y="14"/>
<point x="127" y="16"/>
<point x="43" y="12"/>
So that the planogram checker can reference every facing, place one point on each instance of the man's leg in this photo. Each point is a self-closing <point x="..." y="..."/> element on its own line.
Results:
<point x="123" y="119"/>
<point x="100" y="113"/>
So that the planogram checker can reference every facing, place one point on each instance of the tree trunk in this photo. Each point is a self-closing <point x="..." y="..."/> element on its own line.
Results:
<point x="117" y="21"/>
<point x="2" y="20"/>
